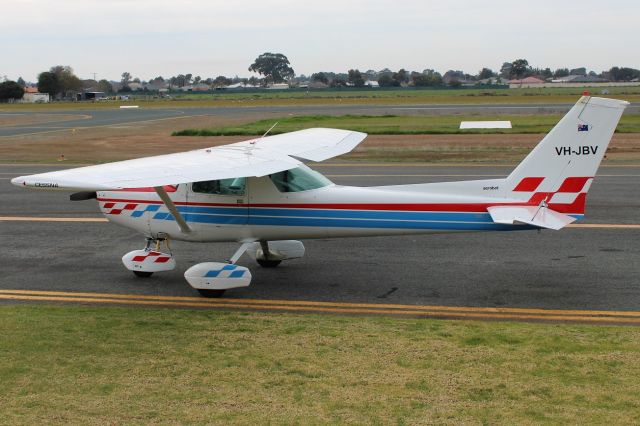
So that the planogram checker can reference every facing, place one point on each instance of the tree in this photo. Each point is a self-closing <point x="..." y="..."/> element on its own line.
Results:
<point x="126" y="79"/>
<point x="67" y="80"/>
<point x="434" y="77"/>
<point x="10" y="90"/>
<point x="419" y="80"/>
<point x="578" y="71"/>
<point x="48" y="83"/>
<point x="623" y="73"/>
<point x="338" y="82"/>
<point x="400" y="76"/>
<point x="485" y="73"/>
<point x="254" y="81"/>
<point x="355" y="78"/>
<point x="546" y="73"/>
<point x="105" y="86"/>
<point x="21" y="82"/>
<point x="505" y="70"/>
<point x="561" y="72"/>
<point x="385" y="80"/>
<point x="274" y="66"/>
<point x="221" y="81"/>
<point x="321" y="77"/>
<point x="520" y="68"/>
<point x="451" y="75"/>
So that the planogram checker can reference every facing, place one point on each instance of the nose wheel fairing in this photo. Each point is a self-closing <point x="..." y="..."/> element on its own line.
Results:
<point x="212" y="279"/>
<point x="145" y="262"/>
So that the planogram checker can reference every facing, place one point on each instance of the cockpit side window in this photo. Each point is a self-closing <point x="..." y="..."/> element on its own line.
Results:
<point x="299" y="179"/>
<point x="231" y="186"/>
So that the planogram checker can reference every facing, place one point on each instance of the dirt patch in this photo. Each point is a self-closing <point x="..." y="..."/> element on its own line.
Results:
<point x="111" y="143"/>
<point x="475" y="148"/>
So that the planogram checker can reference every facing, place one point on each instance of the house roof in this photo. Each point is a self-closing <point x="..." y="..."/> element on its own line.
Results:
<point x="579" y="79"/>
<point x="527" y="80"/>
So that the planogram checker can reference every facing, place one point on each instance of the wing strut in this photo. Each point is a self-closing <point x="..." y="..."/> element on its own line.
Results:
<point x="172" y="209"/>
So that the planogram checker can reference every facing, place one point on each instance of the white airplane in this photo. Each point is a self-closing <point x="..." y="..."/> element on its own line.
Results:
<point x="260" y="194"/>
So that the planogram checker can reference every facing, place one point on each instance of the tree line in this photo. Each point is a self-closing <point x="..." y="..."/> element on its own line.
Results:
<point x="61" y="82"/>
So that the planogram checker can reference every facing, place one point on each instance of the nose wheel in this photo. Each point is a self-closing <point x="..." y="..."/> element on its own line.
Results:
<point x="210" y="293"/>
<point x="142" y="274"/>
<point x="268" y="263"/>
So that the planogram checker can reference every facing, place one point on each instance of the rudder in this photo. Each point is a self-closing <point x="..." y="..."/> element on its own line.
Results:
<point x="561" y="167"/>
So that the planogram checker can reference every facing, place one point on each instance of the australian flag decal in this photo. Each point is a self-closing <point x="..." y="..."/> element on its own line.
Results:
<point x="583" y="127"/>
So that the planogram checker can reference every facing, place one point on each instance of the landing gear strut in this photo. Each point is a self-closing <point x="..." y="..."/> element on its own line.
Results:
<point x="269" y="260"/>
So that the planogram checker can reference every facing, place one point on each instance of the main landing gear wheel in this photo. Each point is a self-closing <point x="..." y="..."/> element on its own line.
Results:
<point x="211" y="293"/>
<point x="142" y="274"/>
<point x="268" y="263"/>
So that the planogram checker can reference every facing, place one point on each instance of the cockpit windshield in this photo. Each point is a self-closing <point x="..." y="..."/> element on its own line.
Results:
<point x="299" y="179"/>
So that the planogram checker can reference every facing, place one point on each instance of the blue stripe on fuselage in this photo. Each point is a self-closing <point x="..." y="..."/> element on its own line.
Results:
<point x="341" y="218"/>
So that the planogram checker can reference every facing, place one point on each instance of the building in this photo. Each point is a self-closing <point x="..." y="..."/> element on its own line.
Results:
<point x="278" y="86"/>
<point x="200" y="87"/>
<point x="90" y="96"/>
<point x="579" y="79"/>
<point x="34" y="98"/>
<point x="526" y="82"/>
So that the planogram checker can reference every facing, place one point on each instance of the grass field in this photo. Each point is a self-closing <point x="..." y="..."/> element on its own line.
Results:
<point x="401" y="125"/>
<point x="97" y="365"/>
<point x="346" y="96"/>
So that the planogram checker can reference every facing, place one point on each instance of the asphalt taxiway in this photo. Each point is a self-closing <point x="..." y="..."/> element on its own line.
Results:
<point x="82" y="118"/>
<point x="64" y="246"/>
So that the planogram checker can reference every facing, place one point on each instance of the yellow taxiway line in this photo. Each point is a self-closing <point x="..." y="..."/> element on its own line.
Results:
<point x="522" y="314"/>
<point x="604" y="226"/>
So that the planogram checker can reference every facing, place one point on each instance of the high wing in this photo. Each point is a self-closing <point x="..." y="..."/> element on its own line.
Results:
<point x="256" y="157"/>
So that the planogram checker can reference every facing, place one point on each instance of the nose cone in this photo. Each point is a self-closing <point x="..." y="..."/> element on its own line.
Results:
<point x="19" y="181"/>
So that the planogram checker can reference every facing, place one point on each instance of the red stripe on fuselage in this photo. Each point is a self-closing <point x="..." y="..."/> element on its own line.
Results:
<point x="575" y="207"/>
<point x="167" y="188"/>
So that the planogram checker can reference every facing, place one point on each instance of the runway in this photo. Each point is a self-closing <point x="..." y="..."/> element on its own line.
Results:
<point x="594" y="266"/>
<point x="115" y="116"/>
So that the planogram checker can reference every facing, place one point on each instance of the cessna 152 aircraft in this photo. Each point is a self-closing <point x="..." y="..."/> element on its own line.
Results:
<point x="260" y="194"/>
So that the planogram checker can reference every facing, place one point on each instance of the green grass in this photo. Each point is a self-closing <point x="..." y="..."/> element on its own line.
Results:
<point x="400" y="125"/>
<point x="97" y="365"/>
<point x="343" y="97"/>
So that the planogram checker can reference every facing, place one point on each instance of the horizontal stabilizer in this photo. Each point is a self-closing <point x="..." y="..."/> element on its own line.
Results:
<point x="539" y="216"/>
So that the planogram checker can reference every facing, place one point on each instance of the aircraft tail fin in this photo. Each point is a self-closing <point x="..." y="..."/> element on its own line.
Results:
<point x="559" y="170"/>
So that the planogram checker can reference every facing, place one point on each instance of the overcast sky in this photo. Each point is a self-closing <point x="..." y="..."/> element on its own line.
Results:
<point x="208" y="38"/>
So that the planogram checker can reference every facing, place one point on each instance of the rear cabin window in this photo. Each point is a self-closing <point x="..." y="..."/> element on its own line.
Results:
<point x="231" y="186"/>
<point x="299" y="179"/>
